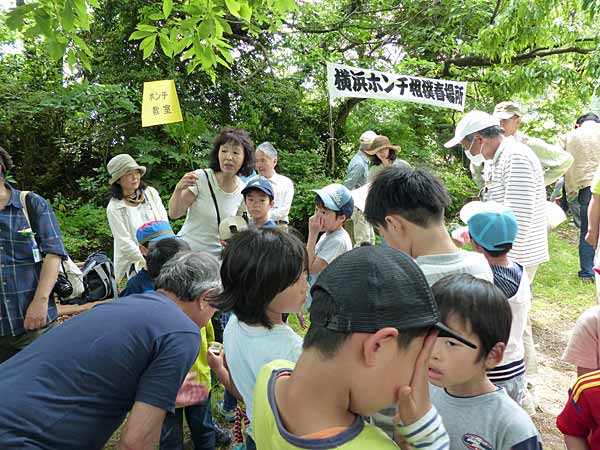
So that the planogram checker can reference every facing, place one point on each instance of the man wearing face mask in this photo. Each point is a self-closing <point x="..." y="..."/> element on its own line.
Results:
<point x="513" y="177"/>
<point x="554" y="160"/>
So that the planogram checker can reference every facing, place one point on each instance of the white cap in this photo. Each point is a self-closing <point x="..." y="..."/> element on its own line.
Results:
<point x="476" y="207"/>
<point x="367" y="137"/>
<point x="469" y="124"/>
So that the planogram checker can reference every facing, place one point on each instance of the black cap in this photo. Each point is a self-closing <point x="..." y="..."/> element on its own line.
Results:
<point x="377" y="287"/>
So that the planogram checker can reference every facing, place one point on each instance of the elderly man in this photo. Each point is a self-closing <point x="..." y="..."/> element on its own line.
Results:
<point x="553" y="159"/>
<point x="29" y="265"/>
<point x="583" y="143"/>
<point x="358" y="173"/>
<point x="73" y="386"/>
<point x="513" y="178"/>
<point x="283" y="187"/>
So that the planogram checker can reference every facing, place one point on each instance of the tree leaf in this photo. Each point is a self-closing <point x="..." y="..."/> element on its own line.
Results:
<point x="139" y="35"/>
<point x="146" y="27"/>
<point x="82" y="14"/>
<point x="245" y="12"/>
<point x="94" y="3"/>
<point x="147" y="45"/>
<point x="71" y="58"/>
<point x="67" y="16"/>
<point x="167" y="7"/>
<point x="82" y="45"/>
<point x="233" y="6"/>
<point x="56" y="49"/>
<point x="165" y="44"/>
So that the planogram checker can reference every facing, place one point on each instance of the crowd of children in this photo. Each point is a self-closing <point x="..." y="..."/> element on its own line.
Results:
<point x="414" y="343"/>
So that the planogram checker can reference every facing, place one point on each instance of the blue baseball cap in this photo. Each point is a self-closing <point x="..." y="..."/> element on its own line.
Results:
<point x="491" y="224"/>
<point x="260" y="183"/>
<point x="154" y="232"/>
<point x="337" y="197"/>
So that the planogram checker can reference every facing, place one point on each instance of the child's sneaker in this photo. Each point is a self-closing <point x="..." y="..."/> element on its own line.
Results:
<point x="229" y="416"/>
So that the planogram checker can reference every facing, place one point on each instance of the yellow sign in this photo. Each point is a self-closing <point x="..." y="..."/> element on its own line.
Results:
<point x="160" y="103"/>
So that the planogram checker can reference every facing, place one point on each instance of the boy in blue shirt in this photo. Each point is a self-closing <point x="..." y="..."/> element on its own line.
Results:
<point x="258" y="199"/>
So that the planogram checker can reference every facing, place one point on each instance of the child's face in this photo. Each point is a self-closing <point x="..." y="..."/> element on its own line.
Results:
<point x="389" y="359"/>
<point x="455" y="366"/>
<point x="258" y="204"/>
<point x="291" y="299"/>
<point x="330" y="222"/>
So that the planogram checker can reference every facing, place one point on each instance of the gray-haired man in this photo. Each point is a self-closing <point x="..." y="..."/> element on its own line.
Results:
<point x="73" y="386"/>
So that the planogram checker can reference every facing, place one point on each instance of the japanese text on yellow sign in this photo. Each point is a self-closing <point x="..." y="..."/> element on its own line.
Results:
<point x="160" y="103"/>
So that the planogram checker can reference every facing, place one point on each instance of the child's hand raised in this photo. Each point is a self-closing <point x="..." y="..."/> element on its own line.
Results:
<point x="215" y="360"/>
<point x="315" y="224"/>
<point x="413" y="400"/>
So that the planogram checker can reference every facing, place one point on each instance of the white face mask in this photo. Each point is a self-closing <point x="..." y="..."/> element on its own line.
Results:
<point x="476" y="160"/>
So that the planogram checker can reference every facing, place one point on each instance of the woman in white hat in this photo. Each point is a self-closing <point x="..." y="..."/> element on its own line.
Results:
<point x="382" y="155"/>
<point x="132" y="204"/>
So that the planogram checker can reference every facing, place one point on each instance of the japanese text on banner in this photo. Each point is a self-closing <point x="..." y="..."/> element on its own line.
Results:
<point x="160" y="103"/>
<point x="346" y="81"/>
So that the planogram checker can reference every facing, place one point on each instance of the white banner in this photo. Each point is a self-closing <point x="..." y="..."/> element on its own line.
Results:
<point x="346" y="81"/>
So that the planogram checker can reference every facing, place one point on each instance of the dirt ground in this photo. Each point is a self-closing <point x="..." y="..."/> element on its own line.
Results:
<point x="552" y="381"/>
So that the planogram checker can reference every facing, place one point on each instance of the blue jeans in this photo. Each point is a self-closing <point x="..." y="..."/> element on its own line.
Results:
<point x="586" y="251"/>
<point x="200" y="422"/>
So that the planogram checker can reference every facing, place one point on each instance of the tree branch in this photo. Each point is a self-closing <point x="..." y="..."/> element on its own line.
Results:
<point x="482" y="61"/>
<point x="496" y="11"/>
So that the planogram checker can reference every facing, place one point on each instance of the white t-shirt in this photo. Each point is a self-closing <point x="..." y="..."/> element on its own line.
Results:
<point x="283" y="190"/>
<point x="248" y="348"/>
<point x="200" y="228"/>
<point x="436" y="267"/>
<point x="329" y="246"/>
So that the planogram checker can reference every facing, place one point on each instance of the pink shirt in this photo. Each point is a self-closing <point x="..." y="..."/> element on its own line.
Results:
<point x="583" y="348"/>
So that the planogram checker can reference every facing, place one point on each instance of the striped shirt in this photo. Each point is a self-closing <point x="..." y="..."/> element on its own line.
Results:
<point x="19" y="273"/>
<point x="515" y="179"/>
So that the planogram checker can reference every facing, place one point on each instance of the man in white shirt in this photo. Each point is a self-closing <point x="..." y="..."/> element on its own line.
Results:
<point x="513" y="177"/>
<point x="283" y="187"/>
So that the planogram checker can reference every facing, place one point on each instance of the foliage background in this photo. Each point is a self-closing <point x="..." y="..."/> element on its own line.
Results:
<point x="70" y="87"/>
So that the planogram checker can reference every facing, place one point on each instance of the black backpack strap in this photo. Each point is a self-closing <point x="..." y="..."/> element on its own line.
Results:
<point x="212" y="193"/>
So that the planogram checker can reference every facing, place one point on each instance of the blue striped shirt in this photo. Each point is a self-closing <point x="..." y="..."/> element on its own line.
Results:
<point x="19" y="273"/>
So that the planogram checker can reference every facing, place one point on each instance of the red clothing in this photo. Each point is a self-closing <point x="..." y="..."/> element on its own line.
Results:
<point x="581" y="415"/>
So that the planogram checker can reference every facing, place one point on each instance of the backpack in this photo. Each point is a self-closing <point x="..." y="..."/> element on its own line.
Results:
<point x="99" y="280"/>
<point x="69" y="272"/>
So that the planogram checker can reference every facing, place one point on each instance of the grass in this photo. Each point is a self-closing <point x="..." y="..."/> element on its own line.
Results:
<point x="559" y="295"/>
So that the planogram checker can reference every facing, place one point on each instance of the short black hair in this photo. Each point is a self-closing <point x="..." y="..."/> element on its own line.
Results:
<point x="5" y="160"/>
<point x="257" y="265"/>
<point x="116" y="191"/>
<point x="587" y="117"/>
<point x="495" y="253"/>
<point x="160" y="252"/>
<point x="414" y="194"/>
<point x="329" y="342"/>
<point x="238" y="136"/>
<point x="320" y="204"/>
<point x="489" y="132"/>
<point x="377" y="162"/>
<point x="481" y="306"/>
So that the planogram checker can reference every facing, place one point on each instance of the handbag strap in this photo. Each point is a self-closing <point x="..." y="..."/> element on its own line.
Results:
<point x="32" y="220"/>
<point x="212" y="193"/>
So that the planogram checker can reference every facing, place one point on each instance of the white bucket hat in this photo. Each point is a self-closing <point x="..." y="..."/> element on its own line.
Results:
<point x="120" y="165"/>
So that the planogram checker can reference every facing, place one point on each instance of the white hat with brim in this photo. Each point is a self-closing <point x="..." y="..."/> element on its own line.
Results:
<point x="471" y="123"/>
<point x="476" y="207"/>
<point x="120" y="165"/>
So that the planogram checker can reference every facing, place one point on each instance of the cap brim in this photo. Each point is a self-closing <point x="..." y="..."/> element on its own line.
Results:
<point x="326" y="199"/>
<point x="454" y="141"/>
<point x="444" y="331"/>
<point x="504" y="115"/>
<point x="249" y="188"/>
<point x="391" y="147"/>
<point x="476" y="207"/>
